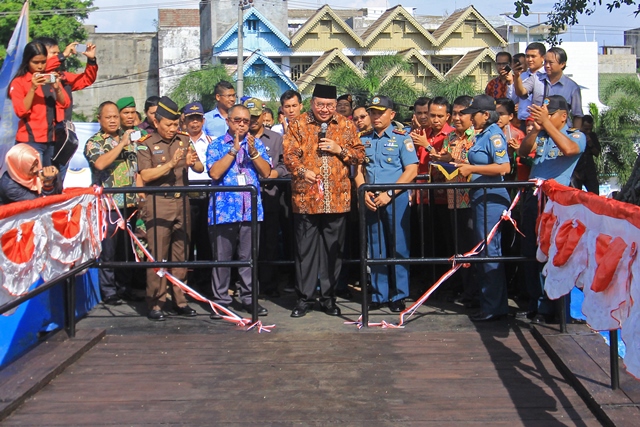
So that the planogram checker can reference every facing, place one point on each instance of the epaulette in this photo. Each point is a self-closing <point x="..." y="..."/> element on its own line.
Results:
<point x="144" y="137"/>
<point x="364" y="133"/>
<point x="572" y="129"/>
<point x="400" y="131"/>
<point x="180" y="132"/>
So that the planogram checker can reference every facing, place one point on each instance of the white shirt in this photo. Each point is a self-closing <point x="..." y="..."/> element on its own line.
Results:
<point x="201" y="145"/>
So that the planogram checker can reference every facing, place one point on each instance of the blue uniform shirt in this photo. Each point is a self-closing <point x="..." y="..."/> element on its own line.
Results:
<point x="387" y="155"/>
<point x="490" y="147"/>
<point x="550" y="163"/>
<point x="234" y="207"/>
<point x="215" y="125"/>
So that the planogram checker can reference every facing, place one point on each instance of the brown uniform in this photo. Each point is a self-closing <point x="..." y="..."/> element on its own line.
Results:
<point x="168" y="221"/>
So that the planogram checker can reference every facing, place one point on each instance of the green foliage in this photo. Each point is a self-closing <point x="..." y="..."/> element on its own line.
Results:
<point x="567" y="12"/>
<point x="618" y="128"/>
<point x="64" y="27"/>
<point x="199" y="85"/>
<point x="451" y="88"/>
<point x="375" y="81"/>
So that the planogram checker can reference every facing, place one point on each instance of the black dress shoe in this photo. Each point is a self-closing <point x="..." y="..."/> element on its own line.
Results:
<point x="331" y="309"/>
<point x="485" y="317"/>
<point x="397" y="306"/>
<point x="376" y="305"/>
<point x="542" y="319"/>
<point x="216" y="316"/>
<point x="112" y="300"/>
<point x="261" y="310"/>
<point x="186" y="311"/>
<point x="156" y="315"/>
<point x="301" y="309"/>
<point x="526" y="314"/>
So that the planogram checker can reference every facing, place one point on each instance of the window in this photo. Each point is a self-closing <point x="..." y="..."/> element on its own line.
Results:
<point x="298" y="69"/>
<point x="442" y="67"/>
<point x="324" y="26"/>
<point x="252" y="25"/>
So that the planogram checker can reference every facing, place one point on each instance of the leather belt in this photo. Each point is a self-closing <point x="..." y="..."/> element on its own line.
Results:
<point x="172" y="195"/>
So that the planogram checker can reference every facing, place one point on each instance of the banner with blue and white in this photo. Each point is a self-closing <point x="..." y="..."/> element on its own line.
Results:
<point x="15" y="49"/>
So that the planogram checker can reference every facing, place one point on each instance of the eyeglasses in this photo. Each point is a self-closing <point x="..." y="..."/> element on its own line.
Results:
<point x="360" y="117"/>
<point x="240" y="120"/>
<point x="329" y="107"/>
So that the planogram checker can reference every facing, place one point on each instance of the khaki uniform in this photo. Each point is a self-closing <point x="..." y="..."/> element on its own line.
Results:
<point x="167" y="222"/>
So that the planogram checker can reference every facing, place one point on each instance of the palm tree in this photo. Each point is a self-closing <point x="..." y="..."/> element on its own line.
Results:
<point x="618" y="130"/>
<point x="452" y="87"/>
<point x="199" y="85"/>
<point x="376" y="78"/>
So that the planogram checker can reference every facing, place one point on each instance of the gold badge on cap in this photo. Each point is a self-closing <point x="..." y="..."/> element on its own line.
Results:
<point x="375" y="100"/>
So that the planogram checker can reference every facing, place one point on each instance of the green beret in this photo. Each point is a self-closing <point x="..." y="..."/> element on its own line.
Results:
<point x="125" y="102"/>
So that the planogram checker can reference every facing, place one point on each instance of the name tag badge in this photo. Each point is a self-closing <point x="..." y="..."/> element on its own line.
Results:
<point x="242" y="179"/>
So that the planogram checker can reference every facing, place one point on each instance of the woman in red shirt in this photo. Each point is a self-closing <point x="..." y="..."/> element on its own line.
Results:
<point x="35" y="96"/>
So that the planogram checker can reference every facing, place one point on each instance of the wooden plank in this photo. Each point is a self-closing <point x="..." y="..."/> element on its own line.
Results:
<point x="27" y="375"/>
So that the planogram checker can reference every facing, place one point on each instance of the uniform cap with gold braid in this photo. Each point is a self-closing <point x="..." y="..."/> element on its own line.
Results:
<point x="381" y="103"/>
<point x="192" y="109"/>
<point x="167" y="109"/>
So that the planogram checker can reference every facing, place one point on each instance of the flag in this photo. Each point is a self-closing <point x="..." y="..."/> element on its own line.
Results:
<point x="15" y="49"/>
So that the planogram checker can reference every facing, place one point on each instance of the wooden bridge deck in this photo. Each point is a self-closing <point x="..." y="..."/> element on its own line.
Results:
<point x="439" y="371"/>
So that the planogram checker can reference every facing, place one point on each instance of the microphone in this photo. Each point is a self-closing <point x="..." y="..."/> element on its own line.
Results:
<point x="323" y="131"/>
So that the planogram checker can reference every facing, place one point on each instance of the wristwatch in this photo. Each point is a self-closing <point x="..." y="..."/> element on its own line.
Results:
<point x="390" y="193"/>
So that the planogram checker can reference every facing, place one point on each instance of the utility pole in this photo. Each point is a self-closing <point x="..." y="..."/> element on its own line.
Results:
<point x="242" y="5"/>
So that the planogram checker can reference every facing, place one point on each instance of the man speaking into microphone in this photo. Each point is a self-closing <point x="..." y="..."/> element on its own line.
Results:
<point x="319" y="147"/>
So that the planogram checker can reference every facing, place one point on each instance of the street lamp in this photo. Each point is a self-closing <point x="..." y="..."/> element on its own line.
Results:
<point x="508" y="15"/>
<point x="242" y="5"/>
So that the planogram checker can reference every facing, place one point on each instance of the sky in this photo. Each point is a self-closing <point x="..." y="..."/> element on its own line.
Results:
<point x="603" y="26"/>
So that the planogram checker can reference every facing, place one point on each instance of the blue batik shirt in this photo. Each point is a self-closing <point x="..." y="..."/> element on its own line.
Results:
<point x="234" y="206"/>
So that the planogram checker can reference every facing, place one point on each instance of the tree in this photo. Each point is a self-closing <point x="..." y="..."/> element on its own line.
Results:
<point x="451" y="88"/>
<point x="567" y="12"/>
<point x="199" y="86"/>
<point x="618" y="128"/>
<point x="59" y="19"/>
<point x="375" y="80"/>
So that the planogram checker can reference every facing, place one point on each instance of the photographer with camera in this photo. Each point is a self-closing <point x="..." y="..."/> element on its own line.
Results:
<point x="38" y="100"/>
<point x="113" y="161"/>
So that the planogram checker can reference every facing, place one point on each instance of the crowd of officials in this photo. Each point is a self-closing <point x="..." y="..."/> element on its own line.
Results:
<point x="526" y="126"/>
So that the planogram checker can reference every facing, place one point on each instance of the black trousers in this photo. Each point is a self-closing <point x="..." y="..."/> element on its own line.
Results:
<point x="319" y="252"/>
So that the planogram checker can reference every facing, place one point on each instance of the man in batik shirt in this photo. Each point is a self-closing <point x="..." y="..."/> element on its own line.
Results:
<point x="319" y="148"/>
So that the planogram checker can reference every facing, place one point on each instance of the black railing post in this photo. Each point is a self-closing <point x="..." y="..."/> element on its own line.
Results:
<point x="254" y="253"/>
<point x="70" y="306"/>
<point x="363" y="256"/>
<point x="563" y="314"/>
<point x="613" y="356"/>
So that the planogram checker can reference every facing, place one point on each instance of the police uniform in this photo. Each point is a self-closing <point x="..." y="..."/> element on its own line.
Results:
<point x="549" y="163"/>
<point x="490" y="147"/>
<point x="387" y="156"/>
<point x="167" y="219"/>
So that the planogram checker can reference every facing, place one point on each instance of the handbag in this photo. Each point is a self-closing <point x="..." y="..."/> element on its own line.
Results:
<point x="65" y="143"/>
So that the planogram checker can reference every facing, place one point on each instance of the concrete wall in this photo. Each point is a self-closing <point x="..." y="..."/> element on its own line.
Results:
<point x="127" y="66"/>
<point x="178" y="53"/>
<point x="617" y="64"/>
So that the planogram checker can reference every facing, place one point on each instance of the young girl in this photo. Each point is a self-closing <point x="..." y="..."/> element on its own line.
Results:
<point x="35" y="95"/>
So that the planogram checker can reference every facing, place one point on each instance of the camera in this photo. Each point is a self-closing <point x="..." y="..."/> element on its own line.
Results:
<point x="80" y="48"/>
<point x="50" y="78"/>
